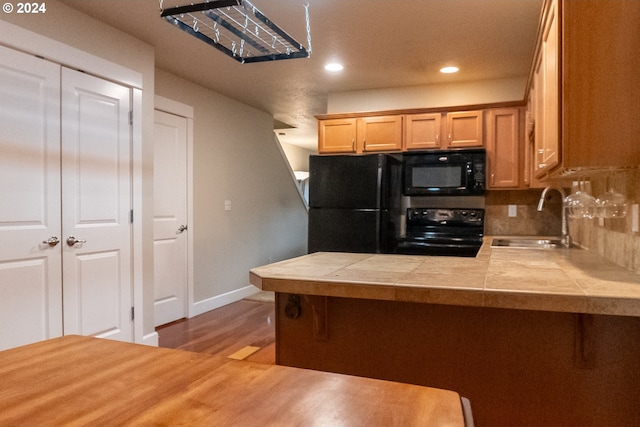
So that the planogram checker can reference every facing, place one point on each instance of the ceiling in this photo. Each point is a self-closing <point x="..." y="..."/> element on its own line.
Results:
<point x="382" y="44"/>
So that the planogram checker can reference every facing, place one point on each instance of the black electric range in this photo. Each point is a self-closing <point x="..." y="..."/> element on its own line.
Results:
<point x="442" y="231"/>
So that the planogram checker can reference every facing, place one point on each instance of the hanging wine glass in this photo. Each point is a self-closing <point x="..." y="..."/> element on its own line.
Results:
<point x="571" y="200"/>
<point x="611" y="204"/>
<point x="580" y="203"/>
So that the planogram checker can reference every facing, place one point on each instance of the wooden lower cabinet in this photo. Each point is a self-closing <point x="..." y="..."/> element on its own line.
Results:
<point x="517" y="367"/>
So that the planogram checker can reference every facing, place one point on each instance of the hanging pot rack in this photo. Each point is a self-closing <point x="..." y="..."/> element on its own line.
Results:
<point x="238" y="29"/>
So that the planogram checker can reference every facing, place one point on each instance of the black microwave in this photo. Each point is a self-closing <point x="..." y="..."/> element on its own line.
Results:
<point x="444" y="173"/>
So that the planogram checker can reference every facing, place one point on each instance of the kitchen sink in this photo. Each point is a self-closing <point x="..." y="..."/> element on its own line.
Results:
<point x="527" y="243"/>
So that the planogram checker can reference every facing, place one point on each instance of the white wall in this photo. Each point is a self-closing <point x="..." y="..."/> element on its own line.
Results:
<point x="434" y="96"/>
<point x="236" y="158"/>
<point x="298" y="157"/>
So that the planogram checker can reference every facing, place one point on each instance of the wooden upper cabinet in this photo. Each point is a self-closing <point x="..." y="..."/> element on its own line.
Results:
<point x="426" y="131"/>
<point x="337" y="136"/>
<point x="546" y="81"/>
<point x="360" y="135"/>
<point x="600" y="88"/>
<point x="586" y="111"/>
<point x="422" y="131"/>
<point x="528" y="123"/>
<point x="380" y="133"/>
<point x="464" y="129"/>
<point x="503" y="147"/>
<point x="400" y="132"/>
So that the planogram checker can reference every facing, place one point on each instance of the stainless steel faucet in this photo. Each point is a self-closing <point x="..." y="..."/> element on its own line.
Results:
<point x="566" y="238"/>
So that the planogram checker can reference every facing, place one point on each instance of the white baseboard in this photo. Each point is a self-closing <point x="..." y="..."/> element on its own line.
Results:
<point x="200" y="307"/>
<point x="151" y="339"/>
<point x="218" y="301"/>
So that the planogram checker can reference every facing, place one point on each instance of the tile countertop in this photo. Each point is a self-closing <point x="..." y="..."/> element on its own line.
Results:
<point x="563" y="280"/>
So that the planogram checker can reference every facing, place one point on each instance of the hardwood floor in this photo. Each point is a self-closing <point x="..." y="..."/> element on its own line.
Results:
<point x="225" y="331"/>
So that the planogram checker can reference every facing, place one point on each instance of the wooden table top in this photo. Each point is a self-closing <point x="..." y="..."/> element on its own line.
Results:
<point x="76" y="381"/>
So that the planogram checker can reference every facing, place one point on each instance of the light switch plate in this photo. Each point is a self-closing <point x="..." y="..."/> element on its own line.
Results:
<point x="513" y="211"/>
<point x="634" y="218"/>
<point x="227" y="205"/>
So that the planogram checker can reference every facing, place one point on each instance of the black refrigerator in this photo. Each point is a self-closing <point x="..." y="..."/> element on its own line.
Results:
<point x="348" y="203"/>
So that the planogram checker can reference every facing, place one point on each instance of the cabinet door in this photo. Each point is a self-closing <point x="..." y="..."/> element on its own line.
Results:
<point x="422" y="131"/>
<point x="503" y="143"/>
<point x="547" y="138"/>
<point x="383" y="133"/>
<point x="464" y="129"/>
<point x="30" y="269"/>
<point x="337" y="136"/>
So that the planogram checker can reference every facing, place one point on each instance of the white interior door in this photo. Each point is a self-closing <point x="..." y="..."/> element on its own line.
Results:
<point x="96" y="200"/>
<point x="170" y="217"/>
<point x="30" y="276"/>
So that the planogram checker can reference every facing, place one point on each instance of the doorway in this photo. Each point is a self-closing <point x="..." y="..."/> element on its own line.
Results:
<point x="172" y="228"/>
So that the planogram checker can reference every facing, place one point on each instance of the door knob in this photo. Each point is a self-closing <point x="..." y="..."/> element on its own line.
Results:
<point x="72" y="241"/>
<point x="51" y="241"/>
<point x="181" y="229"/>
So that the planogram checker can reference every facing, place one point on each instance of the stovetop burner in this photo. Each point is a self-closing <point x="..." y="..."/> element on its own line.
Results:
<point x="442" y="231"/>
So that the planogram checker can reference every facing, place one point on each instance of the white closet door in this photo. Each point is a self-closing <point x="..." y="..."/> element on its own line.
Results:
<point x="96" y="200"/>
<point x="170" y="217"/>
<point x="30" y="276"/>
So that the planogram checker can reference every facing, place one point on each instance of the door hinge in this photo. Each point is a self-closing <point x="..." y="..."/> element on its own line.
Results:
<point x="131" y="117"/>
<point x="133" y="314"/>
<point x="131" y="216"/>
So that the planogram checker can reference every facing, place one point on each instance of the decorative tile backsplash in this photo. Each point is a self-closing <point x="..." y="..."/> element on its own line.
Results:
<point x="611" y="238"/>
<point x="527" y="221"/>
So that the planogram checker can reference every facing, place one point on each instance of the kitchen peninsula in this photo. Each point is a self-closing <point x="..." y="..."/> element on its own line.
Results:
<point x="531" y="337"/>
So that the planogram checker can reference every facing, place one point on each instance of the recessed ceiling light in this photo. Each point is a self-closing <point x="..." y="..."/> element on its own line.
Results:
<point x="333" y="67"/>
<point x="449" y="70"/>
